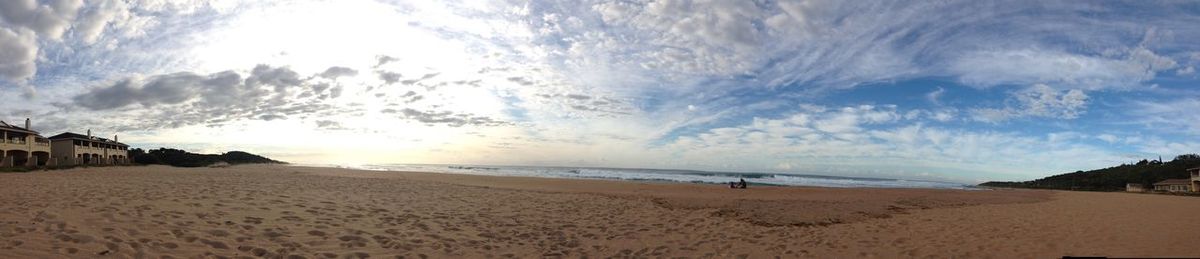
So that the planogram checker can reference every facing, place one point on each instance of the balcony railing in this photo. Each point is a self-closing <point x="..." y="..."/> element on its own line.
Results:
<point x="16" y="141"/>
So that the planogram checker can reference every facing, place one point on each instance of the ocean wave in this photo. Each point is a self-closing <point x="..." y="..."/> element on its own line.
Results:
<point x="683" y="176"/>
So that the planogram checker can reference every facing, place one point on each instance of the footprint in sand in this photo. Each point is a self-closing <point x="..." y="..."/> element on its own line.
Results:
<point x="14" y="244"/>
<point x="217" y="233"/>
<point x="75" y="238"/>
<point x="271" y="233"/>
<point x="214" y="244"/>
<point x="359" y="255"/>
<point x="353" y="241"/>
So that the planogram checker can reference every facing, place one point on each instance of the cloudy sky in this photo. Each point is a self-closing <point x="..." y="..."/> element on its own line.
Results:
<point x="953" y="90"/>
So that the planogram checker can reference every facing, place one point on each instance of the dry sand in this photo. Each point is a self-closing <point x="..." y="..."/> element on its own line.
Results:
<point x="299" y="212"/>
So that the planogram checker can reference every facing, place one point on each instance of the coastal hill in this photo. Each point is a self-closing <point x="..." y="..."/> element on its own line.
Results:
<point x="1145" y="172"/>
<point x="181" y="158"/>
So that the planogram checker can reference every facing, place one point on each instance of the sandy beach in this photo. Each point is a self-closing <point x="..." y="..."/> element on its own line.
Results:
<point x="304" y="212"/>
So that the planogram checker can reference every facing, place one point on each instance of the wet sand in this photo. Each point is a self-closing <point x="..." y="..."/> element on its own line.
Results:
<point x="301" y="212"/>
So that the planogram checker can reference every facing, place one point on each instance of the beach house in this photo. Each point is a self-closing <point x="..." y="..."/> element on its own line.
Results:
<point x="1173" y="185"/>
<point x="22" y="146"/>
<point x="77" y="149"/>
<point x="1195" y="177"/>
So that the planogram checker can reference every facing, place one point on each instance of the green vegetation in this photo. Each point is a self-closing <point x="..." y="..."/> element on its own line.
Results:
<point x="180" y="158"/>
<point x="1113" y="178"/>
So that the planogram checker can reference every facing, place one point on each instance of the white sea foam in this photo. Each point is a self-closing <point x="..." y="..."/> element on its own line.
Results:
<point x="669" y="175"/>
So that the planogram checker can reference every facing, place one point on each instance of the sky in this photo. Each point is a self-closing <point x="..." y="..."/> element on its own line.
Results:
<point x="964" y="91"/>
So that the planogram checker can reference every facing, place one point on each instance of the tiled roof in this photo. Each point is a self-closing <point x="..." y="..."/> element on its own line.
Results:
<point x="71" y="135"/>
<point x="68" y="135"/>
<point x="1173" y="182"/>
<point x="10" y="127"/>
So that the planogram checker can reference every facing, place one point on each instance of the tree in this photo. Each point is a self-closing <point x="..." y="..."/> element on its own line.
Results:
<point x="1187" y="157"/>
<point x="141" y="157"/>
<point x="181" y="158"/>
<point x="1112" y="178"/>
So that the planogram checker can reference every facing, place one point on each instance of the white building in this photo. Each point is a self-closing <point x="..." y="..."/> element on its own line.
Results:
<point x="22" y="146"/>
<point x="76" y="149"/>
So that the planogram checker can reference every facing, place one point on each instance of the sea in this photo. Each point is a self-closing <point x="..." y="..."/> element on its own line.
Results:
<point x="666" y="175"/>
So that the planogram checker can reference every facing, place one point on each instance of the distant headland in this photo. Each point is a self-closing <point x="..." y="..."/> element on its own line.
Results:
<point x="181" y="158"/>
<point x="1117" y="178"/>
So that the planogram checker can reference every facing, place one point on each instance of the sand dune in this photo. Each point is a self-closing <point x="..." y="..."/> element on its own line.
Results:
<point x="298" y="212"/>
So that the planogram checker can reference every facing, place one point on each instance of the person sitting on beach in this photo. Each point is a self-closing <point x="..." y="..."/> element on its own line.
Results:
<point x="733" y="185"/>
<point x="741" y="183"/>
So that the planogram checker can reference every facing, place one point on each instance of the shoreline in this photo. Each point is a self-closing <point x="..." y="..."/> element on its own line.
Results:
<point x="761" y="205"/>
<point x="663" y="175"/>
<point x="313" y="212"/>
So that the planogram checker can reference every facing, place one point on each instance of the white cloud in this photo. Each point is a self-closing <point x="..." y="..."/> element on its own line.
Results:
<point x="22" y="24"/>
<point x="684" y="46"/>
<point x="1036" y="66"/>
<point x="943" y="115"/>
<point x="1167" y="148"/>
<point x="701" y="37"/>
<point x="1041" y="100"/>
<point x="1037" y="101"/>
<point x="850" y="119"/>
<point x="27" y="25"/>
<point x="1186" y="71"/>
<point x="935" y="96"/>
<point x="49" y="19"/>
<point x="185" y="98"/>
<point x="1110" y="138"/>
<point x="940" y="115"/>
<point x="886" y="146"/>
<point x="1065" y="136"/>
<point x="94" y="19"/>
<point x="18" y="54"/>
<point x="1177" y="115"/>
<point x="336" y="71"/>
